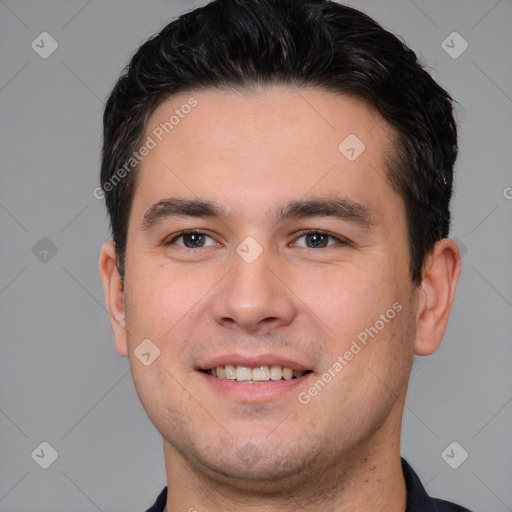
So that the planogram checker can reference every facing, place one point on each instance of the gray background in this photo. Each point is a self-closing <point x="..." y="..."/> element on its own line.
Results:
<point x="61" y="380"/>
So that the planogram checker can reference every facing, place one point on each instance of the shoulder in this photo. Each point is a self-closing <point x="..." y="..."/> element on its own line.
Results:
<point x="417" y="498"/>
<point x="160" y="502"/>
<point x="448" y="506"/>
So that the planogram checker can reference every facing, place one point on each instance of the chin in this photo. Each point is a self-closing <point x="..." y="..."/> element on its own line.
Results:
<point x="263" y="467"/>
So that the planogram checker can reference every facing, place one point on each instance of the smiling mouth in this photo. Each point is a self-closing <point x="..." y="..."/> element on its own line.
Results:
<point x="253" y="375"/>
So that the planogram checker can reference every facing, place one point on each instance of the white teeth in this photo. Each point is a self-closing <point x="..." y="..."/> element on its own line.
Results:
<point x="276" y="373"/>
<point x="229" y="370"/>
<point x="243" y="373"/>
<point x="261" y="373"/>
<point x="258" y="374"/>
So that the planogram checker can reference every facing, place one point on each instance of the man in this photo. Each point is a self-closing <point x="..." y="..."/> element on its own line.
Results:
<point x="278" y="177"/>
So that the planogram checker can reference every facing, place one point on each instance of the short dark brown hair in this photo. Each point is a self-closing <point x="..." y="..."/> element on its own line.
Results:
<point x="313" y="43"/>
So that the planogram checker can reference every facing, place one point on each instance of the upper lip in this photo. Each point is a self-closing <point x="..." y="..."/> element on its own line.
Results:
<point x="252" y="361"/>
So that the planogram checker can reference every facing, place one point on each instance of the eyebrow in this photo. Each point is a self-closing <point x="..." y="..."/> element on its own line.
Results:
<point x="340" y="208"/>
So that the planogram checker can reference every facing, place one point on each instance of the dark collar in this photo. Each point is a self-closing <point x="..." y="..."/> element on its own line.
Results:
<point x="417" y="498"/>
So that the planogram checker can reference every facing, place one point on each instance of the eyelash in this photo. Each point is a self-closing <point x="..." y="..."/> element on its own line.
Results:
<point x="340" y="240"/>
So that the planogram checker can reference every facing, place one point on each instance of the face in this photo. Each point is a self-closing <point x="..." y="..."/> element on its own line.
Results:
<point x="264" y="234"/>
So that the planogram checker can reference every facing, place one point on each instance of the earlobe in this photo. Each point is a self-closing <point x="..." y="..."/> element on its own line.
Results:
<point x="114" y="295"/>
<point x="436" y="295"/>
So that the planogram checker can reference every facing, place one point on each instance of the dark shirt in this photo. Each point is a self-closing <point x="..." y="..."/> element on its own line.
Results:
<point x="417" y="498"/>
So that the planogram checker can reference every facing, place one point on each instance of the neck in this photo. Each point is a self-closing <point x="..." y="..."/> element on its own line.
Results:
<point x="370" y="474"/>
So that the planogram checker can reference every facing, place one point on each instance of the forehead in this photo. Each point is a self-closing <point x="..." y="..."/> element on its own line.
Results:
<point x="220" y="118"/>
<point x="258" y="148"/>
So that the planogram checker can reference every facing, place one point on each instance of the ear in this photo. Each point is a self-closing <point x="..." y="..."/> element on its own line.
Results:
<point x="437" y="291"/>
<point x="114" y="295"/>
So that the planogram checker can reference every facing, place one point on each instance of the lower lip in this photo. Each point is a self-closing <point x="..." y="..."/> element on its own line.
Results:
<point x="253" y="391"/>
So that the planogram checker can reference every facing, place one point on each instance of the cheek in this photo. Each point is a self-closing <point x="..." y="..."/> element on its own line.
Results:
<point x="158" y="393"/>
<point x="156" y="301"/>
<point x="346" y="300"/>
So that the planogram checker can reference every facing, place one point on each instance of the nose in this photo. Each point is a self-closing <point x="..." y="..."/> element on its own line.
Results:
<point x="254" y="297"/>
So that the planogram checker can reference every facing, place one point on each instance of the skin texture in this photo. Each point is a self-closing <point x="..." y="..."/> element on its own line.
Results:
<point x="251" y="152"/>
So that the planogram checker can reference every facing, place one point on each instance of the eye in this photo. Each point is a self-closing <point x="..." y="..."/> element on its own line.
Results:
<point x="319" y="240"/>
<point x="191" y="240"/>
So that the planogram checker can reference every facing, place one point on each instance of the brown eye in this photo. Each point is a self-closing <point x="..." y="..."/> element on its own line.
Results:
<point x="318" y="240"/>
<point x="192" y="240"/>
